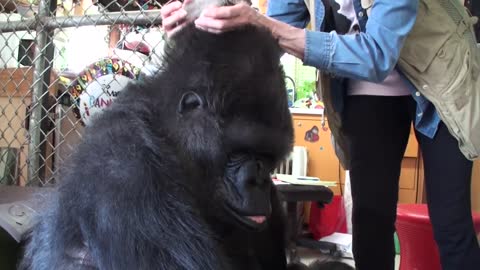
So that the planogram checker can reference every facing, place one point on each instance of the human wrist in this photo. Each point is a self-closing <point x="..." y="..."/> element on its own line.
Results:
<point x="291" y="39"/>
<point x="260" y="20"/>
<point x="254" y="17"/>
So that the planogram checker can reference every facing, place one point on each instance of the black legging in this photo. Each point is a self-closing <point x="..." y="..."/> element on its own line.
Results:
<point x="378" y="129"/>
<point x="474" y="7"/>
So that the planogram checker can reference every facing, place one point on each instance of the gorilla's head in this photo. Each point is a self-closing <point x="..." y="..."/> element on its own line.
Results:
<point x="230" y="119"/>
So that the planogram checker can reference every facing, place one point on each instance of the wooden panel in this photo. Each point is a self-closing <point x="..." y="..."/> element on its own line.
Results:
<point x="408" y="174"/>
<point x="322" y="161"/>
<point x="412" y="146"/>
<point x="16" y="82"/>
<point x="421" y="194"/>
<point x="13" y="130"/>
<point x="342" y="175"/>
<point x="407" y="196"/>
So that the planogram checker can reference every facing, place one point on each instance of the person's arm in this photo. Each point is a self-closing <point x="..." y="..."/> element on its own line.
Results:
<point x="370" y="55"/>
<point x="366" y="56"/>
<point x="222" y="19"/>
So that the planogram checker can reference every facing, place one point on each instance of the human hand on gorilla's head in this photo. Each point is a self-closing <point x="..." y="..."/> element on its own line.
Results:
<point x="222" y="19"/>
<point x="215" y="16"/>
<point x="174" y="17"/>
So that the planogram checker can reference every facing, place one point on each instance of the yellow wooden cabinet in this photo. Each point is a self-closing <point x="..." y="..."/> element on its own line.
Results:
<point x="323" y="163"/>
<point x="409" y="176"/>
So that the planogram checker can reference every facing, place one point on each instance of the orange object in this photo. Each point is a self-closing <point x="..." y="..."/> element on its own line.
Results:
<point x="418" y="249"/>
<point x="262" y="6"/>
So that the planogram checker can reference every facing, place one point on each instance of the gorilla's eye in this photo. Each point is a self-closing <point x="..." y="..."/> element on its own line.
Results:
<point x="190" y="101"/>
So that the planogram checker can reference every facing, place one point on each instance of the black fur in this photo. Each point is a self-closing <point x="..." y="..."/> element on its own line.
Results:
<point x="147" y="187"/>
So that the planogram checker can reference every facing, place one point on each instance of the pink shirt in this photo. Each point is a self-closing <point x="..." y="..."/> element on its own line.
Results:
<point x="393" y="85"/>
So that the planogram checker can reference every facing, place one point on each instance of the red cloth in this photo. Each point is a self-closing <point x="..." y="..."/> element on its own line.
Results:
<point x="329" y="219"/>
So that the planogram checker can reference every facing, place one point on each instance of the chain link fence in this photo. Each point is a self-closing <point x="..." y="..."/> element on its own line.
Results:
<point x="62" y="62"/>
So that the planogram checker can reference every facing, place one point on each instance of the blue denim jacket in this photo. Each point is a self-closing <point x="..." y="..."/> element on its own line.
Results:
<point x="370" y="55"/>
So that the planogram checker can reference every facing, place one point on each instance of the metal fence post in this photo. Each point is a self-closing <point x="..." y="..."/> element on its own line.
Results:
<point x="39" y="92"/>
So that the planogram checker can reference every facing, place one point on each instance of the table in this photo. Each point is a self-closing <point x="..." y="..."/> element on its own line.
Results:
<point x="292" y="195"/>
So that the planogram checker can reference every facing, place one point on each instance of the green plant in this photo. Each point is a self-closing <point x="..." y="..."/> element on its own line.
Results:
<point x="305" y="89"/>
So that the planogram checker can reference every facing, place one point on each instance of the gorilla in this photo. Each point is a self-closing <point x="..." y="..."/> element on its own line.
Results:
<point x="176" y="173"/>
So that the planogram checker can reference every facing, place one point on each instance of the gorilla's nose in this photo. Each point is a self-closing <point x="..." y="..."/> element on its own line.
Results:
<point x="250" y="173"/>
<point x="245" y="170"/>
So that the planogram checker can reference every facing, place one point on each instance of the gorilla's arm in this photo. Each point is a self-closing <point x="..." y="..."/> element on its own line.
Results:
<point x="126" y="203"/>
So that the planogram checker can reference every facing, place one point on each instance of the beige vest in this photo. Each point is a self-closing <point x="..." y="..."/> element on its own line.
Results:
<point x="442" y="59"/>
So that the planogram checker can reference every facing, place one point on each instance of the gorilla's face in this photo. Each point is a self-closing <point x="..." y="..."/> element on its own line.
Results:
<point x="236" y="154"/>
<point x="253" y="153"/>
<point x="232" y="122"/>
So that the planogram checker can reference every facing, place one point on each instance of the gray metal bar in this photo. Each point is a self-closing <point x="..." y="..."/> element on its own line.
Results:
<point x="13" y="26"/>
<point x="59" y="136"/>
<point x="48" y="55"/>
<point x="133" y="18"/>
<point x="38" y="92"/>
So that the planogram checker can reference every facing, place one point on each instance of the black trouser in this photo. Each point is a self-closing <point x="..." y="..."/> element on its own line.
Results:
<point x="378" y="129"/>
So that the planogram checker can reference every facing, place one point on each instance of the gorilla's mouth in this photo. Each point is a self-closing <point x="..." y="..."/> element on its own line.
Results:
<point x="256" y="223"/>
<point x="257" y="219"/>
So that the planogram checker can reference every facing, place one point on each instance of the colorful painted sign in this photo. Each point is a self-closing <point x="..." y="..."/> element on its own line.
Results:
<point x="98" y="85"/>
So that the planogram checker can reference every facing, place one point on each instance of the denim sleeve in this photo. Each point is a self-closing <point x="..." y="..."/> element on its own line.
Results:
<point x="370" y="55"/>
<point x="293" y="12"/>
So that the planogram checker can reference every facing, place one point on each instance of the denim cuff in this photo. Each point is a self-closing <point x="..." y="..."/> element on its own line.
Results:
<point x="318" y="49"/>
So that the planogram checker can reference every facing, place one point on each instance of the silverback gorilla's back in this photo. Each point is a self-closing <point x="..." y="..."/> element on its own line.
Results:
<point x="176" y="173"/>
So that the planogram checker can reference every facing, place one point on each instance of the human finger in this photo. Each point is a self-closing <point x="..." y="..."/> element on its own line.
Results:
<point x="210" y="30"/>
<point x="169" y="8"/>
<point x="186" y="2"/>
<point x="225" y="12"/>
<point x="219" y="25"/>
<point x="174" y="19"/>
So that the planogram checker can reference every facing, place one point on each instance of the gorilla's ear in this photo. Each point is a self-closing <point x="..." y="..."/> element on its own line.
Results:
<point x="190" y="101"/>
